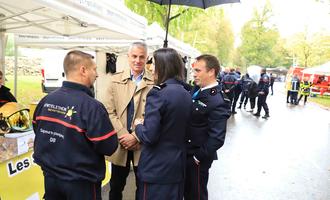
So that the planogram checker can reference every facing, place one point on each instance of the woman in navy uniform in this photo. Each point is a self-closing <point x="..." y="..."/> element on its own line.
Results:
<point x="207" y="128"/>
<point x="162" y="135"/>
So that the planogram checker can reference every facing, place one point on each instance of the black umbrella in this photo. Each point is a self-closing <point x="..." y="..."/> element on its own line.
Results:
<point x="194" y="3"/>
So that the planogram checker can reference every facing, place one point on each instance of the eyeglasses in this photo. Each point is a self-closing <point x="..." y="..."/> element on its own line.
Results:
<point x="19" y="121"/>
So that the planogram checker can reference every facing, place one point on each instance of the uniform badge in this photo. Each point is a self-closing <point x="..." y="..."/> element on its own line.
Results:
<point x="160" y="86"/>
<point x="213" y="91"/>
<point x="201" y="103"/>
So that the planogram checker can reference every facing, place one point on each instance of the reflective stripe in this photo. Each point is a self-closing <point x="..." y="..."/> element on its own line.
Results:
<point x="103" y="137"/>
<point x="51" y="119"/>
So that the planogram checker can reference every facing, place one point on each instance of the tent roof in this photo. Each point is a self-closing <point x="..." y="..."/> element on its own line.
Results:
<point x="61" y="42"/>
<point x="71" y="18"/>
<point x="323" y="69"/>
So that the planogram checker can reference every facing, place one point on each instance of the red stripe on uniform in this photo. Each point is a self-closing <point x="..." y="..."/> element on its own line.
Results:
<point x="51" y="119"/>
<point x="106" y="136"/>
<point x="145" y="191"/>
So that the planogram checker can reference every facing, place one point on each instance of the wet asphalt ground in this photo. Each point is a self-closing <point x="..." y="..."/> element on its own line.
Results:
<point x="284" y="157"/>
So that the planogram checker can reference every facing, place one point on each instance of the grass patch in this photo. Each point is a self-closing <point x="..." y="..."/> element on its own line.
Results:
<point x="28" y="89"/>
<point x="322" y="100"/>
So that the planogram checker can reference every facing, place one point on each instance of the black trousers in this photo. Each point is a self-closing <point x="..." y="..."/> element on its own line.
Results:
<point x="244" y="98"/>
<point x="153" y="191"/>
<point x="197" y="176"/>
<point x="252" y="102"/>
<point x="119" y="175"/>
<point x="262" y="103"/>
<point x="305" y="98"/>
<point x="56" y="189"/>
<point x="236" y="97"/>
<point x="294" y="97"/>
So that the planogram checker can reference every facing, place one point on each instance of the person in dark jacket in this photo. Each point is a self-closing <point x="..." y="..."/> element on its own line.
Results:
<point x="263" y="90"/>
<point x="5" y="95"/>
<point x="207" y="128"/>
<point x="295" y="87"/>
<point x="229" y="83"/>
<point x="246" y="86"/>
<point x="73" y="133"/>
<point x="162" y="132"/>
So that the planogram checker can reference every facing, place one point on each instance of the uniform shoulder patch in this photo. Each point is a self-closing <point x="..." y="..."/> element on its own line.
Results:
<point x="160" y="86"/>
<point x="213" y="91"/>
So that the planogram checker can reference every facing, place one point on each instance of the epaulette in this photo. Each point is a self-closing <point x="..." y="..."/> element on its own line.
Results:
<point x="160" y="86"/>
<point x="213" y="91"/>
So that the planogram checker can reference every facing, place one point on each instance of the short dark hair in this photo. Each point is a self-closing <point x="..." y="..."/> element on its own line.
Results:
<point x="168" y="64"/>
<point x="211" y="62"/>
<point x="1" y="73"/>
<point x="75" y="57"/>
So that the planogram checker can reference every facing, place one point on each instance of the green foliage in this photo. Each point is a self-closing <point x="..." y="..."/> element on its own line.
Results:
<point x="310" y="49"/>
<point x="260" y="40"/>
<point x="26" y="85"/>
<point x="10" y="46"/>
<point x="207" y="30"/>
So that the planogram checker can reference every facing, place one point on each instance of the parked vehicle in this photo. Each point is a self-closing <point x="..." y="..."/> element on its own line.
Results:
<point x="52" y="69"/>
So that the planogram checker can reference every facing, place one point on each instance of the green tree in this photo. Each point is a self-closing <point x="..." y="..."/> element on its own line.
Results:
<point x="10" y="46"/>
<point x="181" y="16"/>
<point x="310" y="49"/>
<point x="207" y="30"/>
<point x="215" y="35"/>
<point x="259" y="39"/>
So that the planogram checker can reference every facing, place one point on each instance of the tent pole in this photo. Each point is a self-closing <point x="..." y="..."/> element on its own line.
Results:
<point x="167" y="25"/>
<point x="15" y="72"/>
<point x="3" y="40"/>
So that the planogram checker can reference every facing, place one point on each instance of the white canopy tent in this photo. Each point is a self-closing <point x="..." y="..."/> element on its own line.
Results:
<point x="323" y="69"/>
<point x="91" y="20"/>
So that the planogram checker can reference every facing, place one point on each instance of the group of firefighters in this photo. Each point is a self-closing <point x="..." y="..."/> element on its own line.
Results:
<point x="242" y="89"/>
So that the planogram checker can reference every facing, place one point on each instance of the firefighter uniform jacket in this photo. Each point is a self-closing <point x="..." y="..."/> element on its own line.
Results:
<point x="305" y="87"/>
<point x="73" y="133"/>
<point x="263" y="85"/>
<point x="163" y="154"/>
<point x="207" y="129"/>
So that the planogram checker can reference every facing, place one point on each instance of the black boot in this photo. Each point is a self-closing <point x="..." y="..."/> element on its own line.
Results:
<point x="240" y="106"/>
<point x="266" y="116"/>
<point x="257" y="114"/>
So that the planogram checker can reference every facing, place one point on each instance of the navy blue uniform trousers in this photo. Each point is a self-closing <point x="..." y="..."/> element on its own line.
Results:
<point x="196" y="180"/>
<point x="56" y="189"/>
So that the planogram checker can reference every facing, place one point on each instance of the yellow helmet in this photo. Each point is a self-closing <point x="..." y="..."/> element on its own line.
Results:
<point x="14" y="117"/>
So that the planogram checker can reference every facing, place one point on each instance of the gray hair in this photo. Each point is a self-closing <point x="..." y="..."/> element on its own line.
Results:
<point x="138" y="44"/>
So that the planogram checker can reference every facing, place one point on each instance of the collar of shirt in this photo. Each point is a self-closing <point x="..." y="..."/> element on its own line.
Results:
<point x="210" y="86"/>
<point x="138" y="79"/>
<point x="77" y="86"/>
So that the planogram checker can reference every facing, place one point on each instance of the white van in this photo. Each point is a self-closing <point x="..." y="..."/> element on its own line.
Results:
<point x="52" y="69"/>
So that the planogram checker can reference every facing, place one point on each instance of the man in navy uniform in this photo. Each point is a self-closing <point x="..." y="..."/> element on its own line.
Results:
<point x="263" y="90"/>
<point x="207" y="129"/>
<point x="73" y="133"/>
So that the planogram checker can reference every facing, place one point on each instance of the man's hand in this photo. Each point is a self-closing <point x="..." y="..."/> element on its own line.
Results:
<point x="127" y="140"/>
<point x="261" y="93"/>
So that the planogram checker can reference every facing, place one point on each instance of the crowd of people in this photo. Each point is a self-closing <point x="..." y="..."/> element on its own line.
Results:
<point x="243" y="88"/>
<point x="296" y="88"/>
<point x="154" y="121"/>
<point x="168" y="130"/>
